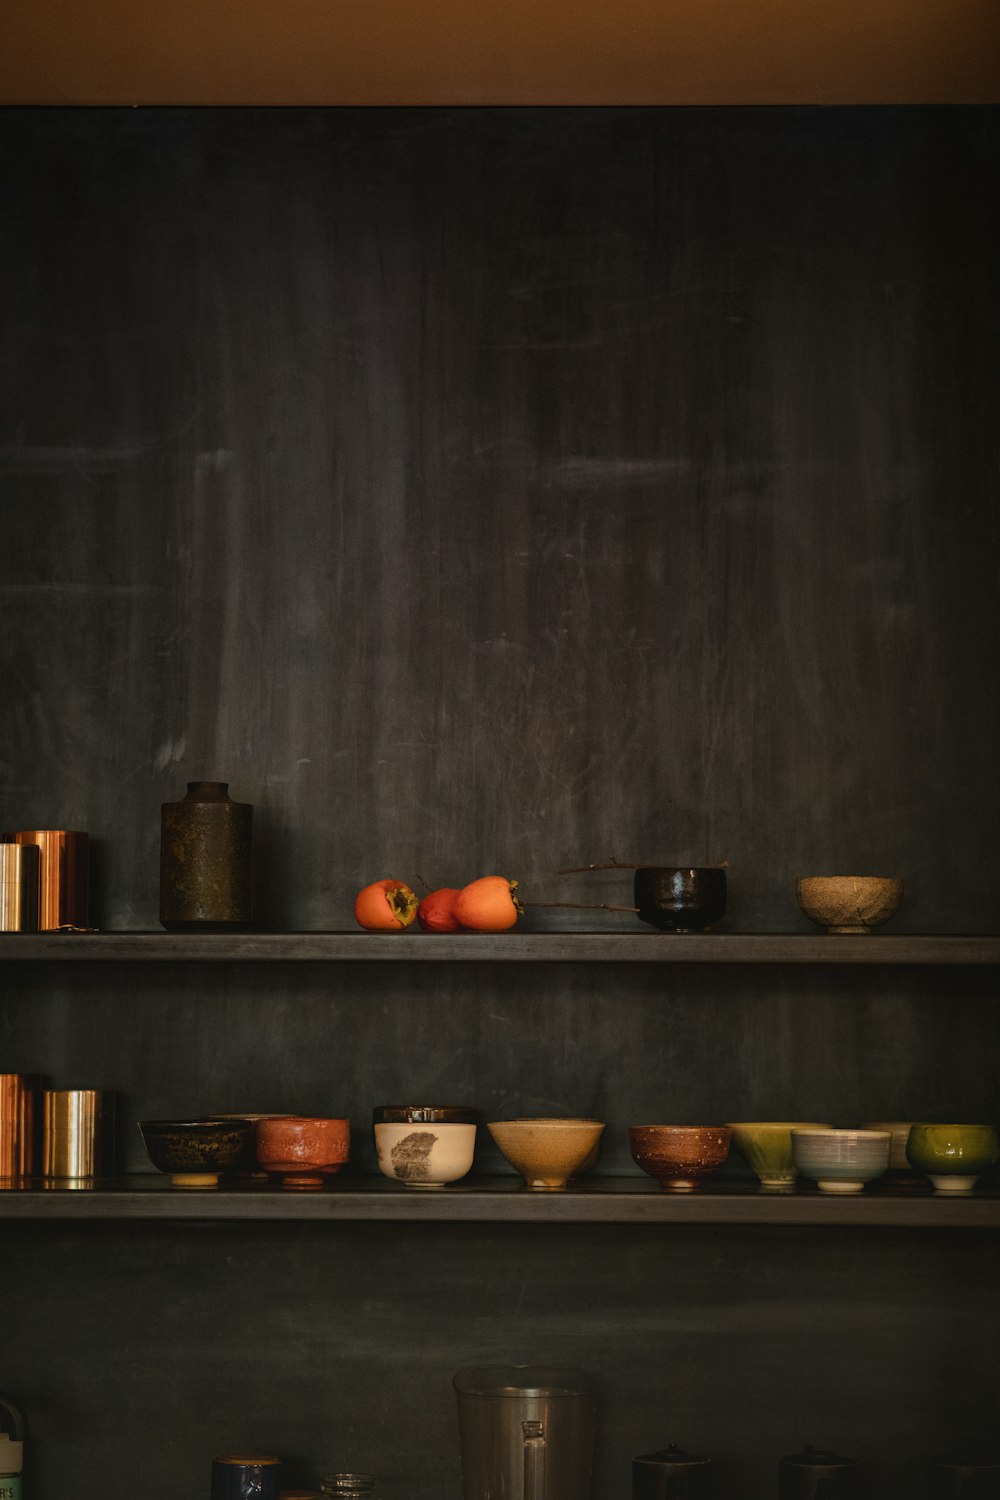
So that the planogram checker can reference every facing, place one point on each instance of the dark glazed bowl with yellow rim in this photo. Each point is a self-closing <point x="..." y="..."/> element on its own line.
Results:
<point x="424" y="1114"/>
<point x="194" y="1152"/>
<point x="678" y="899"/>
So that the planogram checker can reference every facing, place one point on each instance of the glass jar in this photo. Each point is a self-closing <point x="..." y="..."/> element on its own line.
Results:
<point x="348" y="1486"/>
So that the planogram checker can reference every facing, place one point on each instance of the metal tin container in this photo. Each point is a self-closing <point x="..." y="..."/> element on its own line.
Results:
<point x="78" y="1138"/>
<point x="18" y="887"/>
<point x="17" y="1126"/>
<point x="526" y="1433"/>
<point x="63" y="875"/>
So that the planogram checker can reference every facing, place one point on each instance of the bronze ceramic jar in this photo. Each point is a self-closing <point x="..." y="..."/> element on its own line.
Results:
<point x="206" y="860"/>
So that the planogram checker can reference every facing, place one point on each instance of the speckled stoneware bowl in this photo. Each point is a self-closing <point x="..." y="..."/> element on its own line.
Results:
<point x="194" y="1152"/>
<point x="424" y="1145"/>
<point x="849" y="903"/>
<point x="302" y="1150"/>
<point x="547" y="1153"/>
<point x="954" y="1157"/>
<point x="841" y="1161"/>
<point x="680" y="1157"/>
<point x="767" y="1147"/>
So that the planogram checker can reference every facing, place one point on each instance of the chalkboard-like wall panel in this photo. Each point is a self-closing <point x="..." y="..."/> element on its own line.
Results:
<point x="504" y="490"/>
<point x="500" y="489"/>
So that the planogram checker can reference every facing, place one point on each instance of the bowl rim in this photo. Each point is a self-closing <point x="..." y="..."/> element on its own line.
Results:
<point x="544" y="1122"/>
<point x="220" y="1122"/>
<point x="842" y="1132"/>
<point x="678" y="1129"/>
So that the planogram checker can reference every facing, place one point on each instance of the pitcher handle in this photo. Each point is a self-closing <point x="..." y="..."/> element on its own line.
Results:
<point x="534" y="1460"/>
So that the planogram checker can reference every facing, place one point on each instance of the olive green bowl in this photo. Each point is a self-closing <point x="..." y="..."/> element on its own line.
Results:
<point x="767" y="1147"/>
<point x="954" y="1157"/>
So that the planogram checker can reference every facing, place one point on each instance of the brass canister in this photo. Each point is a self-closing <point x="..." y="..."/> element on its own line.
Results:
<point x="63" y="875"/>
<point x="78" y="1139"/>
<point x="17" y="1126"/>
<point x="18" y="887"/>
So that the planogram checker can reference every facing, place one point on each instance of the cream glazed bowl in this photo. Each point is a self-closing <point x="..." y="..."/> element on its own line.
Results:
<point x="424" y="1145"/>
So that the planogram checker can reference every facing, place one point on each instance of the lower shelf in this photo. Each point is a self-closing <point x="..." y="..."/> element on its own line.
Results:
<point x="606" y="1200"/>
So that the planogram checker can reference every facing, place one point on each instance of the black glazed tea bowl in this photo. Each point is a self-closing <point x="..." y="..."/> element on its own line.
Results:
<point x="675" y="899"/>
<point x="194" y="1152"/>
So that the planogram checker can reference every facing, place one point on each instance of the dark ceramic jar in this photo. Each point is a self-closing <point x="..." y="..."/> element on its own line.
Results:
<point x="964" y="1476"/>
<point x="206" y="860"/>
<point x="245" y="1476"/>
<point x="671" y="1474"/>
<point x="815" y="1474"/>
<point x="680" y="900"/>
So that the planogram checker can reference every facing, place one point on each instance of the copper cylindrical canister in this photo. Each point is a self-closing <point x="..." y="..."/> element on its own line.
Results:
<point x="18" y="887"/>
<point x="63" y="875"/>
<point x="79" y="1134"/>
<point x="17" y="1113"/>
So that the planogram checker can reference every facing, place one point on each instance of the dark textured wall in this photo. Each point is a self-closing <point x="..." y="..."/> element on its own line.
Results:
<point x="501" y="490"/>
<point x="504" y="490"/>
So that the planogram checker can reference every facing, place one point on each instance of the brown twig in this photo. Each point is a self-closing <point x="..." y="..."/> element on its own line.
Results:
<point x="578" y="905"/>
<point x="617" y="865"/>
<point x="614" y="864"/>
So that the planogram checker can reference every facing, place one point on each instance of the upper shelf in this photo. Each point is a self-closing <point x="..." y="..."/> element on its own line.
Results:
<point x="507" y="947"/>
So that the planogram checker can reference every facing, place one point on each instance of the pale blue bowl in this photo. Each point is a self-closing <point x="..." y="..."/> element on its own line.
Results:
<point x="841" y="1161"/>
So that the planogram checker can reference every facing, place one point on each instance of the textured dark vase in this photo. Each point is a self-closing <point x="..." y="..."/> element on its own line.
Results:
<point x="206" y="860"/>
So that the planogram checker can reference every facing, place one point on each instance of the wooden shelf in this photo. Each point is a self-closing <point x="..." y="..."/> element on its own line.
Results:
<point x="549" y="947"/>
<point x="608" y="1200"/>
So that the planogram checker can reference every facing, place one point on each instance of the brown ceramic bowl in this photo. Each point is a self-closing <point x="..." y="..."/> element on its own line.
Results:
<point x="300" y="1151"/>
<point x="680" y="1157"/>
<point x="247" y="1164"/>
<point x="547" y="1153"/>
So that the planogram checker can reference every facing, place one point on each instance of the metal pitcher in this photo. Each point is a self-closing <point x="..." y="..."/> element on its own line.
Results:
<point x="527" y="1432"/>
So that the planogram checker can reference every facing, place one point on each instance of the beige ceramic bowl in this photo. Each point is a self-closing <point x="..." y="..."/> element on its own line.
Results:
<point x="849" y="903"/>
<point x="547" y="1153"/>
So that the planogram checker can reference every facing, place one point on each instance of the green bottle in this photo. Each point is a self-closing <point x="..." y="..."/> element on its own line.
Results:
<point x="11" y="1450"/>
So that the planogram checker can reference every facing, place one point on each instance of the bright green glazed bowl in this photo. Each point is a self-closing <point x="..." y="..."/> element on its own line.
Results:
<point x="767" y="1147"/>
<point x="954" y="1157"/>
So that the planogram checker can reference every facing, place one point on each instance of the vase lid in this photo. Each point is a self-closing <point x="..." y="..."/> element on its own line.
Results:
<point x="672" y="1454"/>
<point x="542" y="1382"/>
<point x="817" y="1458"/>
<point x="968" y="1461"/>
